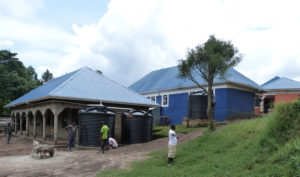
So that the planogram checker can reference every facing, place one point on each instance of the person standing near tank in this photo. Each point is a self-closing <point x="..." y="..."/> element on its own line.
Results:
<point x="103" y="136"/>
<point x="8" y="131"/>
<point x="172" y="145"/>
<point x="72" y="135"/>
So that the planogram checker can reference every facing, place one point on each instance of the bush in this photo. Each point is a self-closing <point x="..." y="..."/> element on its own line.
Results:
<point x="283" y="124"/>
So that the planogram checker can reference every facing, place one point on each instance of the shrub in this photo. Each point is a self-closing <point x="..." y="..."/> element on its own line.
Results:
<point x="282" y="125"/>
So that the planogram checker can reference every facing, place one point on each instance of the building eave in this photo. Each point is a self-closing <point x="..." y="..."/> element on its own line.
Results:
<point x="81" y="99"/>
<point x="268" y="91"/>
<point x="205" y="85"/>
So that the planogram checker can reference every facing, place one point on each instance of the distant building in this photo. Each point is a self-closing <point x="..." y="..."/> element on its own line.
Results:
<point x="46" y="110"/>
<point x="279" y="90"/>
<point x="234" y="95"/>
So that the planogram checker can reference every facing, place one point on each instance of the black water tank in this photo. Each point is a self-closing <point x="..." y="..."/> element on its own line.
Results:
<point x="197" y="106"/>
<point x="136" y="127"/>
<point x="89" y="122"/>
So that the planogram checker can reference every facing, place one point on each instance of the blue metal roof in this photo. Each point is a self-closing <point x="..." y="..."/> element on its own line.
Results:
<point x="167" y="78"/>
<point x="85" y="84"/>
<point x="281" y="83"/>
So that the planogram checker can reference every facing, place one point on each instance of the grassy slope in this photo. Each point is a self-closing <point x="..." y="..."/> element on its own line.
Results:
<point x="232" y="151"/>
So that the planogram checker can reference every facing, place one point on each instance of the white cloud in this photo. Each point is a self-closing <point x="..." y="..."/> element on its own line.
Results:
<point x="6" y="44"/>
<point x="135" y="37"/>
<point x="24" y="9"/>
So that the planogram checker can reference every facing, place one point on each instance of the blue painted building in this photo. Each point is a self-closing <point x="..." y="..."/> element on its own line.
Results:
<point x="234" y="94"/>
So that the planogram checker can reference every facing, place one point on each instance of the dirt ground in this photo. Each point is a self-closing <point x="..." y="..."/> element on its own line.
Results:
<point x="16" y="160"/>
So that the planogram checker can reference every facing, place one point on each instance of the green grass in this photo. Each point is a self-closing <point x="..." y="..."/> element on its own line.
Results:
<point x="233" y="151"/>
<point x="164" y="130"/>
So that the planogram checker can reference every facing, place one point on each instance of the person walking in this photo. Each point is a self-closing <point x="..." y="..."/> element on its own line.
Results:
<point x="8" y="130"/>
<point x="103" y="136"/>
<point x="72" y="135"/>
<point x="172" y="145"/>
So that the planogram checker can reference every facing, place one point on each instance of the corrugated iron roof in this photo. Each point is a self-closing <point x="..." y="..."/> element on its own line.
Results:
<point x="167" y="78"/>
<point x="85" y="84"/>
<point x="278" y="83"/>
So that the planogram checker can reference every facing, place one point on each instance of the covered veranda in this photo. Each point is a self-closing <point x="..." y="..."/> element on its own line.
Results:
<point x="45" y="120"/>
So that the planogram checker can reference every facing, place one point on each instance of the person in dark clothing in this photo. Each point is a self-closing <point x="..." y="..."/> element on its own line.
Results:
<point x="8" y="131"/>
<point x="72" y="135"/>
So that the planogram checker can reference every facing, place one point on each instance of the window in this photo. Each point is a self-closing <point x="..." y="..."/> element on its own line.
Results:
<point x="153" y="98"/>
<point x="165" y="101"/>
<point x="257" y="102"/>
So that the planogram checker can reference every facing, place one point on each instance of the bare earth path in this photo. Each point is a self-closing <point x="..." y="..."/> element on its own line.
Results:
<point x="76" y="163"/>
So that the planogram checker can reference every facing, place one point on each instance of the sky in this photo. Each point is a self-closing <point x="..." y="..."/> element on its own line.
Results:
<point x="128" y="39"/>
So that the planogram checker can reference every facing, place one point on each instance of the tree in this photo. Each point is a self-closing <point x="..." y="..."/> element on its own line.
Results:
<point x="15" y="79"/>
<point x="209" y="60"/>
<point x="34" y="75"/>
<point x="47" y="76"/>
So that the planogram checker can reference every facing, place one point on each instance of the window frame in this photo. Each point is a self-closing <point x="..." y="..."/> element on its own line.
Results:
<point x="154" y="100"/>
<point x="162" y="100"/>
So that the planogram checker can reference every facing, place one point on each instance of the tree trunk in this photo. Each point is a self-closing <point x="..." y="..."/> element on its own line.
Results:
<point x="209" y="106"/>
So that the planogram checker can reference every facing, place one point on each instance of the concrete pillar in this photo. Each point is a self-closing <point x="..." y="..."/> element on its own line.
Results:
<point x="27" y="126"/>
<point x="55" y="127"/>
<point x="16" y="125"/>
<point x="34" y="126"/>
<point x="44" y="127"/>
<point x="21" y="125"/>
<point x="77" y="136"/>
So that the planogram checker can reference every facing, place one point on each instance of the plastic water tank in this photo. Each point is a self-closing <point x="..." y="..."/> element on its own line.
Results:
<point x="90" y="125"/>
<point x="197" y="106"/>
<point x="136" y="127"/>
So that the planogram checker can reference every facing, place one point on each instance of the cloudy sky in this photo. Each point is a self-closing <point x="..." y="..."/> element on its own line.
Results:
<point x="128" y="39"/>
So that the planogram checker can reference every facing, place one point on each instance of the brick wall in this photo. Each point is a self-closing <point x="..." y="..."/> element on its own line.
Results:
<point x="286" y="97"/>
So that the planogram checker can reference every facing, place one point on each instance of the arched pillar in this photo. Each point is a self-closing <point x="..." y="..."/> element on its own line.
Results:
<point x="13" y="117"/>
<point x="56" y="112"/>
<point x="16" y="122"/>
<point x="44" y="127"/>
<point x="29" y="122"/>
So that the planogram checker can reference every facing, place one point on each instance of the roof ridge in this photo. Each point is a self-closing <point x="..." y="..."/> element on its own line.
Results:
<point x="68" y="80"/>
<point x="271" y="80"/>
<point x="290" y="79"/>
<point x="163" y="69"/>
